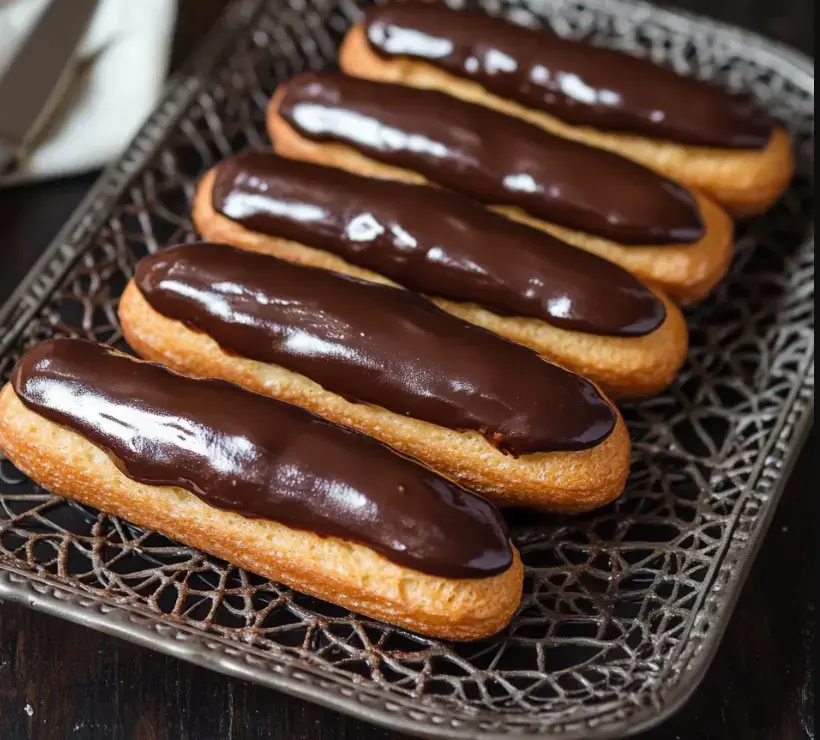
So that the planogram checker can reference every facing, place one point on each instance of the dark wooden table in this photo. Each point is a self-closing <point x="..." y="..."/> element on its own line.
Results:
<point x="59" y="680"/>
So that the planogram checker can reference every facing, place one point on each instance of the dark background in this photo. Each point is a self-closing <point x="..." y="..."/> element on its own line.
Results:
<point x="79" y="684"/>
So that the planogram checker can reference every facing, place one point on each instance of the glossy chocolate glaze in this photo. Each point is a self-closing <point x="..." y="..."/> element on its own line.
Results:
<point x="262" y="458"/>
<point x="494" y="158"/>
<point x="576" y="82"/>
<point x="436" y="242"/>
<point x="376" y="344"/>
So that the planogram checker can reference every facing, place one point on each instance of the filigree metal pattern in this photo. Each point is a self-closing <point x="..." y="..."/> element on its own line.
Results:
<point x="622" y="607"/>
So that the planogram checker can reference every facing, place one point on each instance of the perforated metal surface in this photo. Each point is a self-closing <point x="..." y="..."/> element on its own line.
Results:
<point x="624" y="607"/>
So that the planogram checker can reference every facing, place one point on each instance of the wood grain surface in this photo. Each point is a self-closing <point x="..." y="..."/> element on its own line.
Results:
<point x="59" y="680"/>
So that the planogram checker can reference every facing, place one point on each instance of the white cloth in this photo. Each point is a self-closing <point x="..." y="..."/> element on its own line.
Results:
<point x="126" y="52"/>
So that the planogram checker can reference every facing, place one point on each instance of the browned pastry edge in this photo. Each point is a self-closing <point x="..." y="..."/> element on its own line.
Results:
<point x="686" y="273"/>
<point x="343" y="572"/>
<point x="745" y="181"/>
<point x="555" y="481"/>
<point x="624" y="367"/>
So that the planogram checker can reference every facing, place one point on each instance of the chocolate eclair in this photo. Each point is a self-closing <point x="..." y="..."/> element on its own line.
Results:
<point x="488" y="412"/>
<point x="585" y="313"/>
<point x="263" y="484"/>
<point x="591" y="198"/>
<point x="720" y="142"/>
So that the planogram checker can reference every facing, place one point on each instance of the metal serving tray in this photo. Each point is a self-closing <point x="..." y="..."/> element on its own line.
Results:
<point x="623" y="608"/>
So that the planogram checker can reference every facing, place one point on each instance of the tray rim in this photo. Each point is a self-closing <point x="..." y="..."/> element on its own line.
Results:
<point x="290" y="674"/>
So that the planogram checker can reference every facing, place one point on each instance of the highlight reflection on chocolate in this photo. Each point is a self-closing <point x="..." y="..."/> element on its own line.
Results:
<point x="494" y="158"/>
<point x="376" y="344"/>
<point x="262" y="458"/>
<point x="576" y="82"/>
<point x="436" y="242"/>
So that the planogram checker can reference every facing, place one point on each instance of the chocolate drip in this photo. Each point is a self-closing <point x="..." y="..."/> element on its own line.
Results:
<point x="376" y="344"/>
<point x="494" y="158"/>
<point x="580" y="84"/>
<point x="262" y="458"/>
<point x="436" y="242"/>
